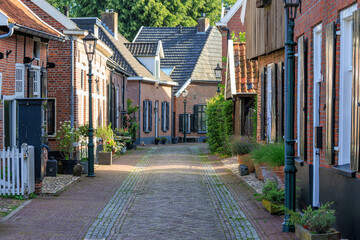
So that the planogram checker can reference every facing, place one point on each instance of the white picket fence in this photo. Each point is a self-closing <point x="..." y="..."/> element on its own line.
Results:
<point x="17" y="171"/>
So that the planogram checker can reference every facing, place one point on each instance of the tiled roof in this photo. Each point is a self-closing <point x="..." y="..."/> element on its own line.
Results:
<point x="142" y="49"/>
<point x="183" y="47"/>
<point x="20" y="15"/>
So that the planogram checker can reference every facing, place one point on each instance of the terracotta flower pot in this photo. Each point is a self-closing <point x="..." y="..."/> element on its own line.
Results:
<point x="247" y="161"/>
<point x="259" y="170"/>
<point x="280" y="175"/>
<point x="242" y="158"/>
<point x="302" y="233"/>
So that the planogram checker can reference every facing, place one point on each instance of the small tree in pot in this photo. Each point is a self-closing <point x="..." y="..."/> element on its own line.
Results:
<point x="107" y="135"/>
<point x="242" y="146"/>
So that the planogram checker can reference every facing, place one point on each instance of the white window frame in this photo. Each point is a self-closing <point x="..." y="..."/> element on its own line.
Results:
<point x="346" y="22"/>
<point x="37" y="80"/>
<point x="37" y="42"/>
<point x="147" y="102"/>
<point x="19" y="66"/>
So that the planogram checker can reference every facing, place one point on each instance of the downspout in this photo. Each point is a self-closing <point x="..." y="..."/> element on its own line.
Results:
<point x="71" y="81"/>
<point x="10" y="33"/>
<point x="139" y="112"/>
<point x="228" y="32"/>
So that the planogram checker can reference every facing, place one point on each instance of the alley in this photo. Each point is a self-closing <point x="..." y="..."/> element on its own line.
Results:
<point x="167" y="192"/>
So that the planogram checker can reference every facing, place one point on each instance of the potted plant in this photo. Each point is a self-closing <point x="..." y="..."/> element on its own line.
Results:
<point x="174" y="140"/>
<point x="83" y="136"/>
<point x="273" y="197"/>
<point x="67" y="138"/>
<point x="157" y="140"/>
<point x="163" y="140"/>
<point x="107" y="135"/>
<point x="242" y="146"/>
<point x="315" y="224"/>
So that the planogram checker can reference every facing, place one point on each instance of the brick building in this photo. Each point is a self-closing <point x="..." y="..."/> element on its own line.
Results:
<point x="191" y="54"/>
<point x="147" y="85"/>
<point x="327" y="81"/>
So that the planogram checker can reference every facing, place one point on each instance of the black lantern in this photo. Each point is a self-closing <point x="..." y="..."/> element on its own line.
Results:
<point x="217" y="71"/>
<point x="90" y="45"/>
<point x="291" y="6"/>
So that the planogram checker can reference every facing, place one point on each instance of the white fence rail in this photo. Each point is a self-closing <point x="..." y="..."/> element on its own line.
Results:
<point x="17" y="168"/>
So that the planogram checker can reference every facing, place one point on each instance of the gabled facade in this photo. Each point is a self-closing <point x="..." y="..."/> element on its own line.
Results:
<point x="68" y="83"/>
<point x="191" y="54"/>
<point x="148" y="87"/>
<point x="327" y="81"/>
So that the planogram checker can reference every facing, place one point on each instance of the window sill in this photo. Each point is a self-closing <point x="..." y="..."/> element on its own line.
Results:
<point x="344" y="170"/>
<point x="202" y="131"/>
<point x="299" y="161"/>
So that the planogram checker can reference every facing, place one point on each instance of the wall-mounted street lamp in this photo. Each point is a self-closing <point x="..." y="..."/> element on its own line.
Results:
<point x="185" y="95"/>
<point x="90" y="46"/>
<point x="218" y="71"/>
<point x="290" y="169"/>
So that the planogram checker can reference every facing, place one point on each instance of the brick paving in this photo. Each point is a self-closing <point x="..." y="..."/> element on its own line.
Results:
<point x="166" y="192"/>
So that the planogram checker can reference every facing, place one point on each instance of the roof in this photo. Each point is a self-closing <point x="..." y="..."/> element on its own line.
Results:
<point x="185" y="50"/>
<point x="22" y="16"/>
<point x="228" y="14"/>
<point x="142" y="49"/>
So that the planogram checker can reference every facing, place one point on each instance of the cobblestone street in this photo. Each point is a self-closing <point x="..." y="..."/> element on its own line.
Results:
<point x="166" y="192"/>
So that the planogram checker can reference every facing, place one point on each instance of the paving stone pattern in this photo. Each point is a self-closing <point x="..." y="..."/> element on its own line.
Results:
<point x="173" y="193"/>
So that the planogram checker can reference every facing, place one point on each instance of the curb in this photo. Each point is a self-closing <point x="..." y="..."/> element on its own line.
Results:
<point x="16" y="210"/>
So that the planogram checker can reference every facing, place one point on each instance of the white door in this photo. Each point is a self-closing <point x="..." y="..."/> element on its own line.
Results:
<point x="268" y="104"/>
<point x="345" y="93"/>
<point x="316" y="106"/>
<point x="156" y="118"/>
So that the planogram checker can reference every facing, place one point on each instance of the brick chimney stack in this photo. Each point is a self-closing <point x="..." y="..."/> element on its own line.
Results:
<point x="203" y="23"/>
<point x="110" y="18"/>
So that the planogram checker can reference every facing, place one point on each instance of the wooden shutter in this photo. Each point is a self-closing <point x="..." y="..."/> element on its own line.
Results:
<point x="150" y="116"/>
<point x="31" y="77"/>
<point x="162" y="116"/>
<point x="280" y="96"/>
<point x="44" y="81"/>
<point x="196" y="118"/>
<point x="273" y="102"/>
<point x="181" y="123"/>
<point x="262" y="104"/>
<point x="167" y="127"/>
<point x="144" y="115"/>
<point x="355" y="115"/>
<point x="330" y="93"/>
<point x="192" y="117"/>
<point x="302" y="97"/>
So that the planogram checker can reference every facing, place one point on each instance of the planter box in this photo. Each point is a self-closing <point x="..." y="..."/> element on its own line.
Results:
<point x="163" y="141"/>
<point x="105" y="158"/>
<point x="247" y="161"/>
<point x="85" y="165"/>
<point x="68" y="166"/>
<point x="272" y="207"/>
<point x="302" y="233"/>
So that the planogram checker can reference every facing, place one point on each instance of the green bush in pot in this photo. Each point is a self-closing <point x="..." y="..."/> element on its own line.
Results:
<point x="241" y="145"/>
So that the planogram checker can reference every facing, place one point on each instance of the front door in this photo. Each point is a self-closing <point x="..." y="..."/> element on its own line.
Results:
<point x="316" y="106"/>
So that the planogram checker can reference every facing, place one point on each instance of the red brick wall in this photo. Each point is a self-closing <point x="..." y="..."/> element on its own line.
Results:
<point x="314" y="13"/>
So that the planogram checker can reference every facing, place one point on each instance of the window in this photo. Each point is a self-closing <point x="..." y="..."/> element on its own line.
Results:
<point x="51" y="121"/>
<point x="147" y="116"/>
<point x="165" y="116"/>
<point x="200" y="117"/>
<point x="185" y="121"/>
<point x="82" y="79"/>
<point x="36" y="48"/>
<point x="36" y="84"/>
<point x="19" y="80"/>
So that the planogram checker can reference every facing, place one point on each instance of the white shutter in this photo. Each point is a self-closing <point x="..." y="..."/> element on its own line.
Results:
<point x="19" y="80"/>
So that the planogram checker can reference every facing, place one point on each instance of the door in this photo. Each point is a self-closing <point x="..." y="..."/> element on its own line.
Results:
<point x="268" y="104"/>
<point x="346" y="22"/>
<point x="10" y="121"/>
<point x="316" y="106"/>
<point x="156" y="119"/>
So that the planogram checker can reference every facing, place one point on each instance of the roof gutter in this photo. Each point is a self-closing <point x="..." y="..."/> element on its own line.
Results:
<point x="145" y="79"/>
<point x="38" y="33"/>
<point x="10" y="33"/>
<point x="228" y="32"/>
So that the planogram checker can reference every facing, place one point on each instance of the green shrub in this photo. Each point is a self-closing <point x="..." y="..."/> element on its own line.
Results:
<point x="272" y="192"/>
<point x="271" y="153"/>
<point x="316" y="221"/>
<point x="105" y="132"/>
<point x="240" y="145"/>
<point x="219" y="124"/>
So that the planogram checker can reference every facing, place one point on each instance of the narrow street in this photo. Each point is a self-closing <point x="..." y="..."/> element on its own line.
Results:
<point x="163" y="192"/>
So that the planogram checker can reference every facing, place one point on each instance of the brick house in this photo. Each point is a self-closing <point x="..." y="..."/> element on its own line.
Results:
<point x="148" y="86"/>
<point x="191" y="54"/>
<point x="240" y="75"/>
<point x="327" y="81"/>
<point x="68" y="86"/>
<point x="265" y="31"/>
<point x="24" y="66"/>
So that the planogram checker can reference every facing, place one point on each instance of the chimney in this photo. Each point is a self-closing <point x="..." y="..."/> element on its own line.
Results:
<point x="66" y="10"/>
<point x="110" y="18"/>
<point x="203" y="23"/>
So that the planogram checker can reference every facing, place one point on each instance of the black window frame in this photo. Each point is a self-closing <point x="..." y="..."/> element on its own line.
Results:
<point x="51" y="103"/>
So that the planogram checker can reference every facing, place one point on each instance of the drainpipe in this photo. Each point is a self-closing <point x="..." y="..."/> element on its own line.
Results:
<point x="71" y="81"/>
<point x="228" y="32"/>
<point x="10" y="33"/>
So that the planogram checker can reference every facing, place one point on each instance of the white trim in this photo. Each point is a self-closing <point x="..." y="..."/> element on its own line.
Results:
<point x="4" y="19"/>
<point x="19" y="66"/>
<point x="243" y="12"/>
<point x="138" y="33"/>
<point x="43" y="22"/>
<point x="77" y="32"/>
<point x="160" y="50"/>
<point x="231" y="13"/>
<point x="54" y="13"/>
<point x="186" y="84"/>
<point x="230" y="68"/>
